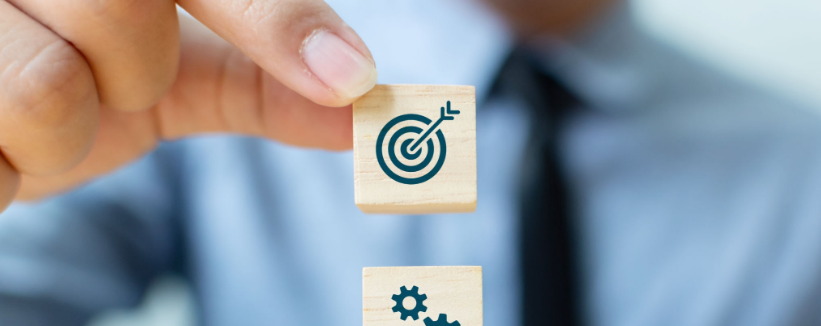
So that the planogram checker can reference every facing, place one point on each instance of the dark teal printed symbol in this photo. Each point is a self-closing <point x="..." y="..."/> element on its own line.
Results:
<point x="417" y="308"/>
<point x="442" y="321"/>
<point x="409" y="148"/>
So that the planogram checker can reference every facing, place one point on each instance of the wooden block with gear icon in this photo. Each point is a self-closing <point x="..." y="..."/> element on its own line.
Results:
<point x="415" y="149"/>
<point x="423" y="295"/>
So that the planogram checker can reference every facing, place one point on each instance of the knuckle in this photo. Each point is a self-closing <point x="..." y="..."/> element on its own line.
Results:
<point x="254" y="11"/>
<point x="133" y="72"/>
<point x="283" y="13"/>
<point x="45" y="89"/>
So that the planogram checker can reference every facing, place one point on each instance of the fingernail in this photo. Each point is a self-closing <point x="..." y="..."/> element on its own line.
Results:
<point x="337" y="64"/>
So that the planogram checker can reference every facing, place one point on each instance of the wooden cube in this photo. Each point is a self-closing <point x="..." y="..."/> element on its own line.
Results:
<point x="395" y="296"/>
<point x="415" y="149"/>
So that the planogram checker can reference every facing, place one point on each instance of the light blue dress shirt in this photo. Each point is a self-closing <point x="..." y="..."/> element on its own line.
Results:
<point x="699" y="197"/>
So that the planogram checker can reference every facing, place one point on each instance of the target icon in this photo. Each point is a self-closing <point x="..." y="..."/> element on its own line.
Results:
<point x="413" y="154"/>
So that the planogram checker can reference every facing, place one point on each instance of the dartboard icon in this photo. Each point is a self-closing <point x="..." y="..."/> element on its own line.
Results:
<point x="411" y="149"/>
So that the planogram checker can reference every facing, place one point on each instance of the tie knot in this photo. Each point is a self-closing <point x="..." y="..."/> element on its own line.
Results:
<point x="523" y="76"/>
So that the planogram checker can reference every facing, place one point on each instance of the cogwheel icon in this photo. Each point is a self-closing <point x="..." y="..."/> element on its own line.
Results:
<point x="414" y="292"/>
<point x="443" y="321"/>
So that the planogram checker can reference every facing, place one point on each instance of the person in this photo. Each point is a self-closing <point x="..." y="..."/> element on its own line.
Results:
<point x="694" y="195"/>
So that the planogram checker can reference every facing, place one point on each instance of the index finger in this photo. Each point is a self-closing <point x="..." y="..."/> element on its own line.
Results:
<point x="303" y="43"/>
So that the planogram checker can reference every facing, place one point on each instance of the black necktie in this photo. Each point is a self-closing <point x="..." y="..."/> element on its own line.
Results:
<point x="548" y="247"/>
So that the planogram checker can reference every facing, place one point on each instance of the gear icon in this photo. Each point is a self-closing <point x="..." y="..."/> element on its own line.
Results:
<point x="443" y="321"/>
<point x="414" y="313"/>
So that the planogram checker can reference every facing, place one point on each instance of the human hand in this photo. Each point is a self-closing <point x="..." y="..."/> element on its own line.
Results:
<point x="87" y="86"/>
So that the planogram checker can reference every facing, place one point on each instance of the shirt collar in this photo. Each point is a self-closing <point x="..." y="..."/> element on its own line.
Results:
<point x="606" y="65"/>
<point x="461" y="42"/>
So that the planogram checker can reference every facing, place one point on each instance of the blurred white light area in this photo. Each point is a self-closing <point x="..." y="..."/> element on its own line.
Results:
<point x="169" y="302"/>
<point x="772" y="43"/>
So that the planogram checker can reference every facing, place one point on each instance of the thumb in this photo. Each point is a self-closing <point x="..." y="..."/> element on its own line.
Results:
<point x="302" y="43"/>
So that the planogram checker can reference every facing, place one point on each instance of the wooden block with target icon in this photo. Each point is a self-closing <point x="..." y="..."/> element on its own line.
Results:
<point x="415" y="149"/>
<point x="422" y="295"/>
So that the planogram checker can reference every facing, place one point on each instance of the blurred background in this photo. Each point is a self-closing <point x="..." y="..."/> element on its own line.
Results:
<point x="773" y="43"/>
